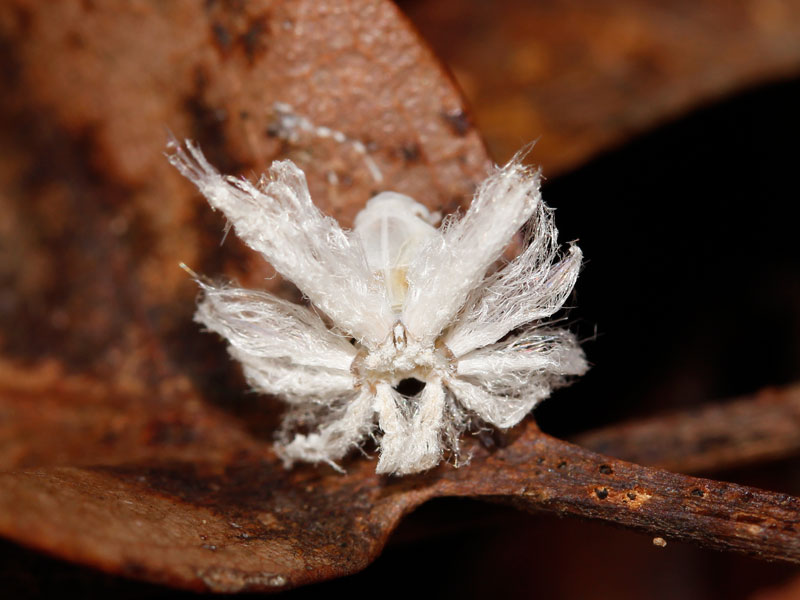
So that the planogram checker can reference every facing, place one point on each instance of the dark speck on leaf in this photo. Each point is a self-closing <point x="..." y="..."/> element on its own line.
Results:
<point x="222" y="36"/>
<point x="458" y="121"/>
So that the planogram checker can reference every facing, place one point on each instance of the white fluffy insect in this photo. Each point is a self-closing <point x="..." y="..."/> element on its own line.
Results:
<point x="393" y="302"/>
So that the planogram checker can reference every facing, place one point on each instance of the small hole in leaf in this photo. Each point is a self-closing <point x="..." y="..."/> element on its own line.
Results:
<point x="410" y="387"/>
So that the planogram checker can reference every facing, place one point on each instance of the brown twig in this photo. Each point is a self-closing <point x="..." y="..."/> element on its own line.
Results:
<point x="541" y="473"/>
<point x="760" y="427"/>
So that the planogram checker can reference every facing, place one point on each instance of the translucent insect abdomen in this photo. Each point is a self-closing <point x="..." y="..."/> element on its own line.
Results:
<point x="393" y="228"/>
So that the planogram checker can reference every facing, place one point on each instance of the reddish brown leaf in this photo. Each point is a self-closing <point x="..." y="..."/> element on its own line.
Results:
<point x="48" y="417"/>
<point x="98" y="221"/>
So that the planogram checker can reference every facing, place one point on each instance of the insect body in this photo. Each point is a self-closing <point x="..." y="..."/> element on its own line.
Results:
<point x="394" y="300"/>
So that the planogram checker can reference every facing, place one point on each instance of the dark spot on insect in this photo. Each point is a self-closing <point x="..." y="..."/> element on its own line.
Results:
<point x="562" y="464"/>
<point x="539" y="460"/>
<point x="602" y="493"/>
<point x="411" y="152"/>
<point x="222" y="37"/>
<point x="410" y="387"/>
<point x="606" y="470"/>
<point x="631" y="496"/>
<point x="698" y="492"/>
<point x="244" y="115"/>
<point x="458" y="121"/>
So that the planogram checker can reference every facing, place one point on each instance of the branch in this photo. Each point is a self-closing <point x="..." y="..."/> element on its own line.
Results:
<point x="541" y="473"/>
<point x="755" y="428"/>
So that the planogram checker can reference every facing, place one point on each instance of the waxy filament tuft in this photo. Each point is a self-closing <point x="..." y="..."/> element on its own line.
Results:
<point x="412" y="335"/>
